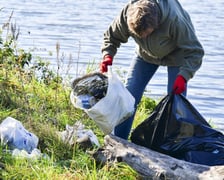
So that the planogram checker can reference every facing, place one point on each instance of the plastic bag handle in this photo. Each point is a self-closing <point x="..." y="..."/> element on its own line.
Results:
<point x="110" y="71"/>
<point x="109" y="68"/>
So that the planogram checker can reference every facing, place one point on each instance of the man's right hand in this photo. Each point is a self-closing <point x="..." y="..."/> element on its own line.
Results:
<point x="107" y="61"/>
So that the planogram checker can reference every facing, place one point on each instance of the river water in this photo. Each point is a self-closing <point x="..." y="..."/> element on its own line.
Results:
<point x="78" y="25"/>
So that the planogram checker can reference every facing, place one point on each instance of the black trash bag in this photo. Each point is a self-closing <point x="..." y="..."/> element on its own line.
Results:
<point x="177" y="129"/>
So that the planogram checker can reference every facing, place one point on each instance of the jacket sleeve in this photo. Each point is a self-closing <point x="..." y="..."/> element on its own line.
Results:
<point x="188" y="47"/>
<point x="116" y="34"/>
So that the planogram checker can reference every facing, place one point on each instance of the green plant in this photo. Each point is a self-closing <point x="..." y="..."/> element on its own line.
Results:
<point x="145" y="107"/>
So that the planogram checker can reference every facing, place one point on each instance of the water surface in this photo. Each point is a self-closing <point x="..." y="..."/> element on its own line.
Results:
<point x="78" y="27"/>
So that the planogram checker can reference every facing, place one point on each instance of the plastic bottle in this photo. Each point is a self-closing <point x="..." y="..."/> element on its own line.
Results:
<point x="85" y="101"/>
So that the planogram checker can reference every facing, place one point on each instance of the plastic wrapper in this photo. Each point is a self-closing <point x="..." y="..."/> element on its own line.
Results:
<point x="177" y="129"/>
<point x="77" y="131"/>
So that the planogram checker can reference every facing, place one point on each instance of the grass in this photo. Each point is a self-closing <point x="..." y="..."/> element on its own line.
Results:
<point x="38" y="97"/>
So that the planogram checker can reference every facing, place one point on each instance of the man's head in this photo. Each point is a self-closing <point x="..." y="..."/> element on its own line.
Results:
<point x="142" y="17"/>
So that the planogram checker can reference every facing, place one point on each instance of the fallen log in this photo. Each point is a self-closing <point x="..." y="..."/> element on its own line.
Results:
<point x="153" y="165"/>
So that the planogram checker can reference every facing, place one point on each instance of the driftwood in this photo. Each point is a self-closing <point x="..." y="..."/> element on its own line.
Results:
<point x="153" y="165"/>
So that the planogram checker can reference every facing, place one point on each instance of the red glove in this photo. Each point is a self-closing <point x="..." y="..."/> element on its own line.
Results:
<point x="179" y="85"/>
<point x="107" y="61"/>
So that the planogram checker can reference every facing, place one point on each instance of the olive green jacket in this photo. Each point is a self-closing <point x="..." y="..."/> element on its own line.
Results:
<point x="173" y="43"/>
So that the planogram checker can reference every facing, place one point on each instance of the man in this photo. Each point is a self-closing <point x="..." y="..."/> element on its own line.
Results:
<point x="164" y="35"/>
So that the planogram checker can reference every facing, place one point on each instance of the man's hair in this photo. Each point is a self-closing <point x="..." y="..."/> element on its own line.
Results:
<point x="141" y="15"/>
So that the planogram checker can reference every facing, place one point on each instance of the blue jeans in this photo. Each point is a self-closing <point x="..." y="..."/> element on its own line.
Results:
<point x="139" y="75"/>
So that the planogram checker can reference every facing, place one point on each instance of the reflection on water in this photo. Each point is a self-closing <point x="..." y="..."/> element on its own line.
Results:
<point x="79" y="25"/>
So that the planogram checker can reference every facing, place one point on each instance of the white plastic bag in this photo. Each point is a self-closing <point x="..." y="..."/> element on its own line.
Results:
<point x="77" y="131"/>
<point x="35" y="154"/>
<point x="15" y="135"/>
<point x="115" y="107"/>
